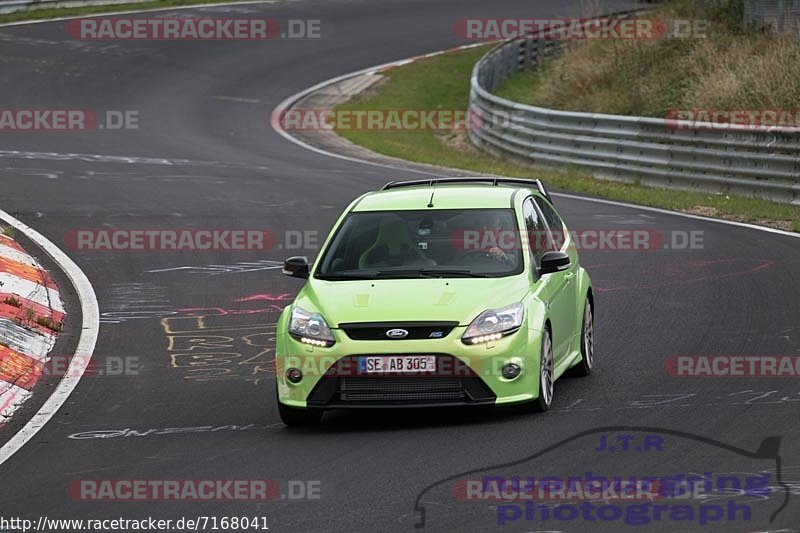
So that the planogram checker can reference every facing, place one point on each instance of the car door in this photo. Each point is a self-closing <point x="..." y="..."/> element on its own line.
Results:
<point x="562" y="242"/>
<point x="553" y="289"/>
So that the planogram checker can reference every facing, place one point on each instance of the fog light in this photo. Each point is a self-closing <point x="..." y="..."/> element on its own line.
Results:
<point x="294" y="375"/>
<point x="510" y="371"/>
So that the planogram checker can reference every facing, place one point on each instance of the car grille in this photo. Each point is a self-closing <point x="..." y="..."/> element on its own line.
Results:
<point x="340" y="387"/>
<point x="376" y="331"/>
<point x="400" y="389"/>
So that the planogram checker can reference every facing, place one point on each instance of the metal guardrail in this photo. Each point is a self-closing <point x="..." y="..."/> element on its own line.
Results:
<point x="781" y="15"/>
<point x="650" y="151"/>
<point x="12" y="6"/>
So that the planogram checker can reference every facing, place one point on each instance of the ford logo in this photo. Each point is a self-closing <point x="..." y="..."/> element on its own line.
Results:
<point x="397" y="333"/>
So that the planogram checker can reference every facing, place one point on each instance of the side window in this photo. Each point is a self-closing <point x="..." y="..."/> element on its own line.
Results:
<point x="537" y="239"/>
<point x="554" y="223"/>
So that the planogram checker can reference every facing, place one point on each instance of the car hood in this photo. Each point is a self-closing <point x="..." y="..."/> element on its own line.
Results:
<point x="398" y="300"/>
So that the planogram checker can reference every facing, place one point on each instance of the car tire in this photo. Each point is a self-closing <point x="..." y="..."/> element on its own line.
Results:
<point x="294" y="417"/>
<point x="586" y="365"/>
<point x="546" y="381"/>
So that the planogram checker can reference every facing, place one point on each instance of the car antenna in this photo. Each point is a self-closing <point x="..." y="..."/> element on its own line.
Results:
<point x="433" y="184"/>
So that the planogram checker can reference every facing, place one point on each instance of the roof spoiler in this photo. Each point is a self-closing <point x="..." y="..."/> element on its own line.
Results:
<point x="489" y="180"/>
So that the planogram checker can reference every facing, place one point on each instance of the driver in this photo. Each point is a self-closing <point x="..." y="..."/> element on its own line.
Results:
<point x="493" y="224"/>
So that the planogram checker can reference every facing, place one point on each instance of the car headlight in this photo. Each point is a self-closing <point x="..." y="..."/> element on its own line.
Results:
<point x="310" y="328"/>
<point x="493" y="324"/>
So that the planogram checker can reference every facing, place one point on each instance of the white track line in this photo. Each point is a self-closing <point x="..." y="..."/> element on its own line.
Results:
<point x="679" y="214"/>
<point x="291" y="100"/>
<point x="86" y="342"/>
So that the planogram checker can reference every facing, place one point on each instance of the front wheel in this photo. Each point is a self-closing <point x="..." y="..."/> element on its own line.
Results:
<point x="584" y="368"/>
<point x="546" y="381"/>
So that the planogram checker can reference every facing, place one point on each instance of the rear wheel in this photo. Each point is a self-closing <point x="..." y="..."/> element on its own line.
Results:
<point x="546" y="381"/>
<point x="584" y="368"/>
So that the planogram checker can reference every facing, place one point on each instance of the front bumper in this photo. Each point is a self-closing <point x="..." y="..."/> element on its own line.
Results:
<point x="467" y="375"/>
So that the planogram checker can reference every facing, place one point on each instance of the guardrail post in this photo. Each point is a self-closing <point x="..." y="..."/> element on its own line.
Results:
<point x="528" y="45"/>
<point x="541" y="51"/>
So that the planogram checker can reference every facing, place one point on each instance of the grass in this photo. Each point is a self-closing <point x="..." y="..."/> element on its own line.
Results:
<point x="49" y="323"/>
<point x="49" y="13"/>
<point x="442" y="82"/>
<point x="12" y="300"/>
<point x="732" y="67"/>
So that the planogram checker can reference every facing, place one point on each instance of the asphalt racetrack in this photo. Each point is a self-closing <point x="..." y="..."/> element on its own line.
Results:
<point x="205" y="156"/>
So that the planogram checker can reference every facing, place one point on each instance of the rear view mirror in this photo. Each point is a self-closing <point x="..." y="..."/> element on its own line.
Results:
<point x="296" y="267"/>
<point x="554" y="262"/>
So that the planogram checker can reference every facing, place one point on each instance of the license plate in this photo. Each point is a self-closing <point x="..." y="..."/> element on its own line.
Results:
<point x="391" y="364"/>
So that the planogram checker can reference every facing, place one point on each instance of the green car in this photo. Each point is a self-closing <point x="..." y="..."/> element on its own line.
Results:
<point x="442" y="292"/>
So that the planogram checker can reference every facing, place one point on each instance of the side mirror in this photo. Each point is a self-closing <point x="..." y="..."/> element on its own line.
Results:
<point x="296" y="267"/>
<point x="554" y="262"/>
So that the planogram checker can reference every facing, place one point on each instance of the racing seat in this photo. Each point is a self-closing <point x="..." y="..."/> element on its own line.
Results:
<point x="393" y="246"/>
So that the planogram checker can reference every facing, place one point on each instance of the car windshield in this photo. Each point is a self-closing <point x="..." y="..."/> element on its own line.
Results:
<point x="430" y="243"/>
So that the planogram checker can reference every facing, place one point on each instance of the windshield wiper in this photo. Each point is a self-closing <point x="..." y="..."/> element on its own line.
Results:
<point x="401" y="273"/>
<point x="430" y="272"/>
<point x="341" y="275"/>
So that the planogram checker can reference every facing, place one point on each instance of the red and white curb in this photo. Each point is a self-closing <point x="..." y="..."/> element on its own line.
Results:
<point x="31" y="315"/>
<point x="87" y="338"/>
